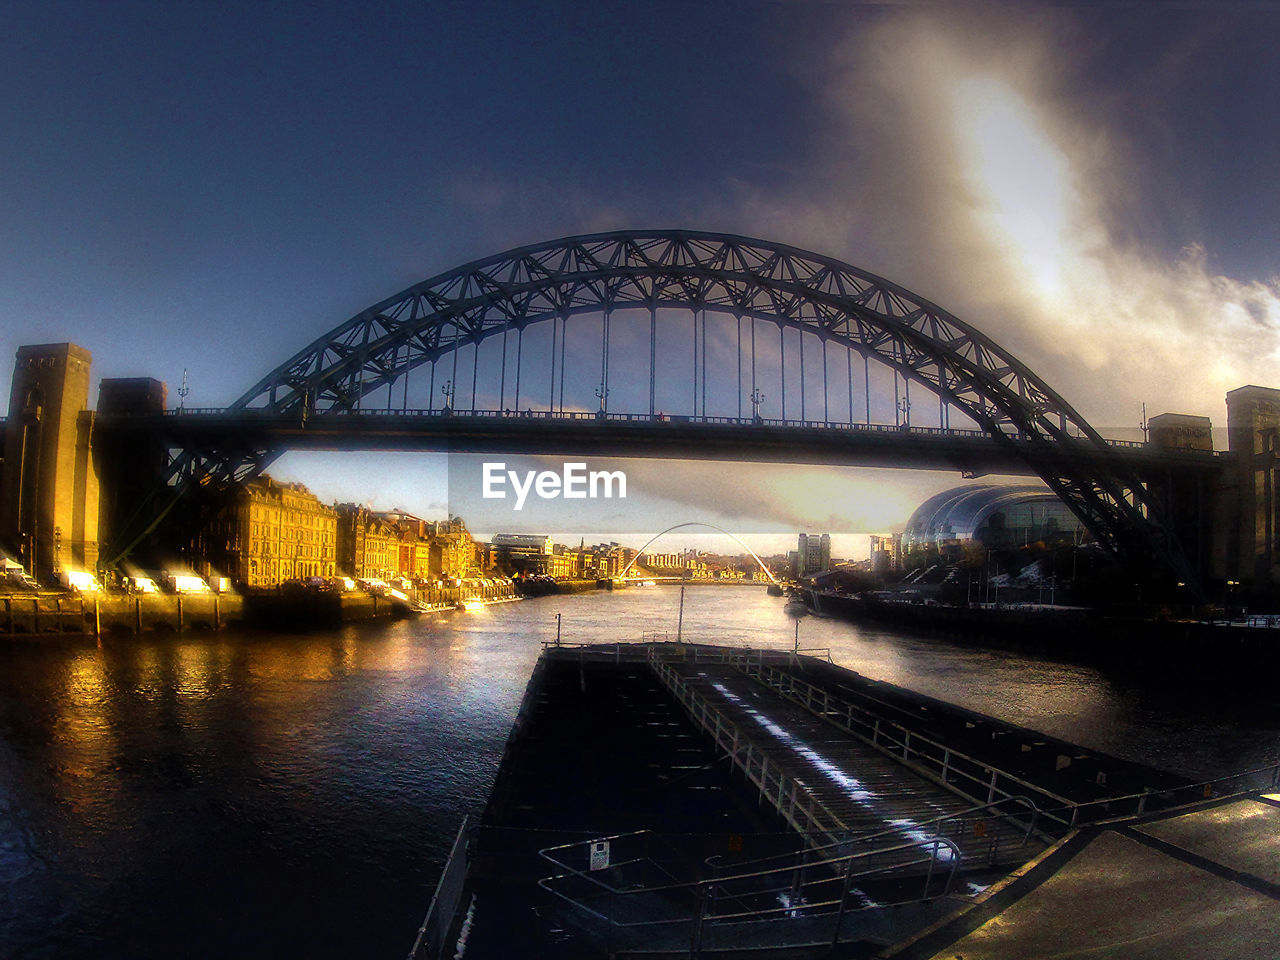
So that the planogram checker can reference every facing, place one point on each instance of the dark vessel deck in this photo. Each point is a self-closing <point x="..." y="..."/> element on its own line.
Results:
<point x="665" y="799"/>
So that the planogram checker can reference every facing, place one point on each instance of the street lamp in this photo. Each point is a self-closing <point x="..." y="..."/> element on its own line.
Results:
<point x="603" y="393"/>
<point x="757" y="398"/>
<point x="447" y="390"/>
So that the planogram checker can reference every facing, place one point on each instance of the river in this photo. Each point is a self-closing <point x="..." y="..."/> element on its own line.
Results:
<point x="295" y="795"/>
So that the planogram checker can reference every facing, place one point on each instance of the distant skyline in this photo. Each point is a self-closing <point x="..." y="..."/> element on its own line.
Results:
<point x="210" y="187"/>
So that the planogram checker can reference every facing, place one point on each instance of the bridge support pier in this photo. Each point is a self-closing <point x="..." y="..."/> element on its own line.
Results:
<point x="49" y="485"/>
<point x="1249" y="514"/>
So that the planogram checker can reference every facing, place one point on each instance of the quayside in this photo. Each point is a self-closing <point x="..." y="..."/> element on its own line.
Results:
<point x="663" y="799"/>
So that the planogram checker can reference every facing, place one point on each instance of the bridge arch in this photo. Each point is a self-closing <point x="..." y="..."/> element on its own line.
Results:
<point x="698" y="523"/>
<point x="771" y="282"/>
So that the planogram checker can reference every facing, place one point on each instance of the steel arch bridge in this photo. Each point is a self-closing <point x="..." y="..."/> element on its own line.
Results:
<point x="343" y="374"/>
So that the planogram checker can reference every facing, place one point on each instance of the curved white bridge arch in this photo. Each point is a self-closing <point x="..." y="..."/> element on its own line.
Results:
<point x="698" y="523"/>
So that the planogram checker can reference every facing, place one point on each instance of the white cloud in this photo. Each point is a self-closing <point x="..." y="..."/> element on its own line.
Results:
<point x="959" y="161"/>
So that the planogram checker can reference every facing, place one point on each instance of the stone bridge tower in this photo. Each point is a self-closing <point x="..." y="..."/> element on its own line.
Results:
<point x="1253" y="542"/>
<point x="49" y="491"/>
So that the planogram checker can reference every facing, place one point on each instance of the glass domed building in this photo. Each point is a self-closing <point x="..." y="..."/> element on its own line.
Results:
<point x="995" y="516"/>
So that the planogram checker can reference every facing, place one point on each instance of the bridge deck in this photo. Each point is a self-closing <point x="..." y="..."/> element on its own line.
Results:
<point x="634" y="434"/>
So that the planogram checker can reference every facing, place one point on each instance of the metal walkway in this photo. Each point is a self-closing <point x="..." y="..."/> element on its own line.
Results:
<point x="832" y="786"/>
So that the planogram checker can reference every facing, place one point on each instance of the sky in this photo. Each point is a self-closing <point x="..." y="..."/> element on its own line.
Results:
<point x="209" y="187"/>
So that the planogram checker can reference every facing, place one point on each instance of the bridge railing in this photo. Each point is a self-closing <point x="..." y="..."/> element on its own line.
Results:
<point x="587" y="416"/>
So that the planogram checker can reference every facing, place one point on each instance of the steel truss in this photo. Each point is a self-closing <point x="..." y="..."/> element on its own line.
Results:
<point x="747" y="278"/>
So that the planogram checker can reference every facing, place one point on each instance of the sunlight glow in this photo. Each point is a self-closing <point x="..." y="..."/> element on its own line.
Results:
<point x="1018" y="175"/>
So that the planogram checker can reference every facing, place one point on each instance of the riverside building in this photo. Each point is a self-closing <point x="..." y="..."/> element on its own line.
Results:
<point x="267" y="533"/>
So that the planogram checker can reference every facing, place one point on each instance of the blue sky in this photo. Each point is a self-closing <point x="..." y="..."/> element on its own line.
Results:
<point x="212" y="186"/>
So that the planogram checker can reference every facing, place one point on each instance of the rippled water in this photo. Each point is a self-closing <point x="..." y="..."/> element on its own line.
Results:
<point x="256" y="795"/>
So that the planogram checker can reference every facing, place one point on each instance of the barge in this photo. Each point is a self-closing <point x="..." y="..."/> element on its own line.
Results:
<point x="674" y="800"/>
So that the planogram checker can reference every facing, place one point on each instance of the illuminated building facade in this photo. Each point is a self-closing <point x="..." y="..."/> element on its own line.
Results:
<point x="268" y="533"/>
<point x="992" y="516"/>
<point x="886" y="554"/>
<point x="813" y="554"/>
<point x="368" y="545"/>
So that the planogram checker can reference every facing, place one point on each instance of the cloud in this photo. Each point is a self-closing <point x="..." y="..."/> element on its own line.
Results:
<point x="968" y="159"/>
<point x="963" y="159"/>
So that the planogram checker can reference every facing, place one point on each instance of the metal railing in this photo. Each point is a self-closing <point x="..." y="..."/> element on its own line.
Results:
<point x="430" y="942"/>
<point x="958" y="772"/>
<point x="979" y="781"/>
<point x="949" y="826"/>
<point x="637" y="895"/>
<point x="793" y="800"/>
<point x="1127" y="805"/>
<point x="611" y="417"/>
<point x="972" y="777"/>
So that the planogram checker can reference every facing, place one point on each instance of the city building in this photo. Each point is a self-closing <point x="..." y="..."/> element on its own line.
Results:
<point x="524" y="554"/>
<point x="384" y="546"/>
<point x="600" y="561"/>
<point x="368" y="545"/>
<point x="673" y="563"/>
<point x="450" y="549"/>
<point x="886" y="554"/>
<point x="990" y="516"/>
<point x="813" y="554"/>
<point x="267" y="533"/>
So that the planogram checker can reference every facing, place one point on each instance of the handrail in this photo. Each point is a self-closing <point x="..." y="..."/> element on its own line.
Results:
<point x="865" y="838"/>
<point x="611" y="417"/>
<point x="792" y="799"/>
<point x="444" y="902"/>
<point x="1065" y="812"/>
<point x="934" y="845"/>
<point x="906" y="746"/>
<point x="1208" y="789"/>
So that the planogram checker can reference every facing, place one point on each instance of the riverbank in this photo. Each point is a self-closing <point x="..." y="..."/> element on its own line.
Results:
<point x="1074" y="633"/>
<point x="45" y="613"/>
<point x="542" y="588"/>
<point x="28" y="614"/>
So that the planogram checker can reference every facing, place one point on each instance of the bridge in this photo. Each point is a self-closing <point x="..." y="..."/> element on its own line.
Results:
<point x="675" y="343"/>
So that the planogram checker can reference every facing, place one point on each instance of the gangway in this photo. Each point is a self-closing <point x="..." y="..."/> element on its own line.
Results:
<point x="830" y="786"/>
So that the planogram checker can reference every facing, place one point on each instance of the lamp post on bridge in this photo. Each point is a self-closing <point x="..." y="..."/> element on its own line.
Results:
<point x="447" y="390"/>
<point x="603" y="393"/>
<point x="757" y="398"/>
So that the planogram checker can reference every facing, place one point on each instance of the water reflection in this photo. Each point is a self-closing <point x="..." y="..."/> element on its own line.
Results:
<point x="296" y="794"/>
